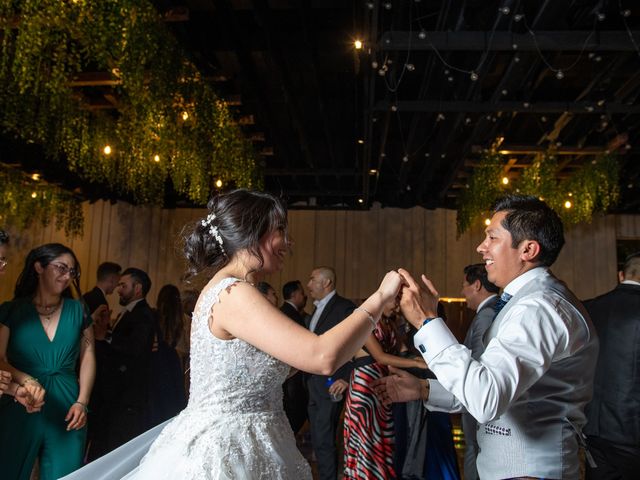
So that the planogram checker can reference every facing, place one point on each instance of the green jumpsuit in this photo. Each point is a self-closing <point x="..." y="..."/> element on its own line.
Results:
<point x="26" y="436"/>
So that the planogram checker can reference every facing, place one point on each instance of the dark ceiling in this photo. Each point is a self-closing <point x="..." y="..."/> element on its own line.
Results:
<point x="403" y="120"/>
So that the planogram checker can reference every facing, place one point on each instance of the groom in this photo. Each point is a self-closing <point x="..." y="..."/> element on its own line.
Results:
<point x="529" y="388"/>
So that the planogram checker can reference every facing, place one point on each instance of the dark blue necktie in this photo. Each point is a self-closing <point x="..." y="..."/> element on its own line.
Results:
<point x="502" y="301"/>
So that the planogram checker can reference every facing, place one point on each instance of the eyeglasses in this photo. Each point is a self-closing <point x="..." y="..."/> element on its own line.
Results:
<point x="3" y="262"/>
<point x="64" y="270"/>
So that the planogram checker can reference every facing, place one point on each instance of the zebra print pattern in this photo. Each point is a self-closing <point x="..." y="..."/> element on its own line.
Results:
<point x="368" y="428"/>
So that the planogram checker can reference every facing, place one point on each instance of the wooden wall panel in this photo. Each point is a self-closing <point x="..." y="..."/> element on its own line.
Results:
<point x="360" y="245"/>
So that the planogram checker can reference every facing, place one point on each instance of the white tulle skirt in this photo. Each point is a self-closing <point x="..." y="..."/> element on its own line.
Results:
<point x="121" y="461"/>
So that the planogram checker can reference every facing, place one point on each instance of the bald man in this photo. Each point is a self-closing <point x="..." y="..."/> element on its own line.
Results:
<point x="324" y="413"/>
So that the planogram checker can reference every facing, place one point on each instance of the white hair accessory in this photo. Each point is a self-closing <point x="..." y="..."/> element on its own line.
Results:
<point x="213" y="230"/>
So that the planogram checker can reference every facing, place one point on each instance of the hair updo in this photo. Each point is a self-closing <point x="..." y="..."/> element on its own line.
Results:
<point x="242" y="218"/>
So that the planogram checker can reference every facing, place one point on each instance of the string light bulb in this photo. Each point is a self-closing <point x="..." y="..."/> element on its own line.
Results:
<point x="487" y="221"/>
<point x="107" y="150"/>
<point x="360" y="201"/>
<point x="505" y="180"/>
<point x="219" y="183"/>
<point x="358" y="44"/>
<point x="34" y="194"/>
<point x="567" y="204"/>
<point x="559" y="74"/>
<point x="156" y="158"/>
<point x="474" y="76"/>
<point x="35" y="176"/>
<point x="185" y="116"/>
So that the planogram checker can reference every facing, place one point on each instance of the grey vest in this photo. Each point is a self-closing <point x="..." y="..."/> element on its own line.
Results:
<point x="537" y="435"/>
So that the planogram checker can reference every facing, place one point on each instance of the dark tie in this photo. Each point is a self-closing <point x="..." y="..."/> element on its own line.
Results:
<point x="502" y="301"/>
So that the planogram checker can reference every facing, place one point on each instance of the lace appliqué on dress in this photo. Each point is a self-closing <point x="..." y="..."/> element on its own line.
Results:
<point x="234" y="426"/>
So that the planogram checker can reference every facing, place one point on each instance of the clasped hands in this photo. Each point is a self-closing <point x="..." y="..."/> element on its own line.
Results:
<point x="417" y="302"/>
<point x="30" y="394"/>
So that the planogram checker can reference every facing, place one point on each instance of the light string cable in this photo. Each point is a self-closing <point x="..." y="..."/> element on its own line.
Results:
<point x="543" y="58"/>
<point x="624" y="14"/>
<point x="394" y="89"/>
<point x="483" y="59"/>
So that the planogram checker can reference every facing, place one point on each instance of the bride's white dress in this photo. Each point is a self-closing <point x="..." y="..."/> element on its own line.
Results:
<point x="234" y="426"/>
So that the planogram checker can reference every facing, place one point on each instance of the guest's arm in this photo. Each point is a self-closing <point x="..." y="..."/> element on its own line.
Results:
<point x="380" y="356"/>
<point x="77" y="414"/>
<point x="31" y="385"/>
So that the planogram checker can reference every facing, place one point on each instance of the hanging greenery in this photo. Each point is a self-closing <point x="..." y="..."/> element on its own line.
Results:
<point x="167" y="122"/>
<point x="25" y="201"/>
<point x="590" y="189"/>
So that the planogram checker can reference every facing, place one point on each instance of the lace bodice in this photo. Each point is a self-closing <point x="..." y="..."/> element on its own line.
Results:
<point x="234" y="426"/>
<point x="230" y="375"/>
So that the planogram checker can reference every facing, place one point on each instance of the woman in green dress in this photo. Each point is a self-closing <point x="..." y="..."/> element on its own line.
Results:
<point x="46" y="343"/>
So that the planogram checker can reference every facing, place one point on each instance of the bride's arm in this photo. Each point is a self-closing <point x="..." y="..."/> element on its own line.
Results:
<point x="244" y="313"/>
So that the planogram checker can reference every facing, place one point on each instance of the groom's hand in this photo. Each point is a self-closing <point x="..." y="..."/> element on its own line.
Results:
<point x="418" y="302"/>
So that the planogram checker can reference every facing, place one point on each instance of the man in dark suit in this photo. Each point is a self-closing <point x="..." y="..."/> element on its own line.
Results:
<point x="108" y="276"/>
<point x="295" y="393"/>
<point x="324" y="412"/>
<point x="613" y="427"/>
<point x="481" y="296"/>
<point x="128" y="348"/>
<point x="294" y="301"/>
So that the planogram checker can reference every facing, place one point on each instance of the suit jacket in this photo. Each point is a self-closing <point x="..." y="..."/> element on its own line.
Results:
<point x="94" y="299"/>
<point x="334" y="312"/>
<point x="614" y="411"/>
<point x="291" y="312"/>
<point x="130" y="356"/>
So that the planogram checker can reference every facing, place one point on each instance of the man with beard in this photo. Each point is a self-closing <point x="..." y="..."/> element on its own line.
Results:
<point x="127" y="353"/>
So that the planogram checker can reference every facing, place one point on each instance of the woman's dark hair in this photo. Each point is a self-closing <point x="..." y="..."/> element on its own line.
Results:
<point x="170" y="317"/>
<point x="44" y="254"/>
<point x="242" y="218"/>
<point x="4" y="237"/>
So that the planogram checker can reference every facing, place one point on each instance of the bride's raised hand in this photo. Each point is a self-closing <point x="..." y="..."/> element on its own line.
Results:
<point x="390" y="287"/>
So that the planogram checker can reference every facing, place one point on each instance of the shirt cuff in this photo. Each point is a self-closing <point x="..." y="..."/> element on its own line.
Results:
<point x="433" y="338"/>
<point x="440" y="399"/>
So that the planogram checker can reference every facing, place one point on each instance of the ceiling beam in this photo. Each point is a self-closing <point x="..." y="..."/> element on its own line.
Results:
<point x="482" y="41"/>
<point x="504" y="106"/>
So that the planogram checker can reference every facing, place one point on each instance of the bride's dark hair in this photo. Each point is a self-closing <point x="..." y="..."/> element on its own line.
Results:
<point x="242" y="218"/>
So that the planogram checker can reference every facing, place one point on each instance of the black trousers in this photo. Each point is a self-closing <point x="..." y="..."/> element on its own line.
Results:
<point x="614" y="461"/>
<point x="323" y="420"/>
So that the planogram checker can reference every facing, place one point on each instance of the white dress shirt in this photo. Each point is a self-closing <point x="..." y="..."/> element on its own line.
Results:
<point x="536" y="335"/>
<point x="507" y="367"/>
<point x="320" y="304"/>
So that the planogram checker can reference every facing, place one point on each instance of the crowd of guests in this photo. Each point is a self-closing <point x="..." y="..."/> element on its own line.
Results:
<point x="67" y="362"/>
<point x="83" y="380"/>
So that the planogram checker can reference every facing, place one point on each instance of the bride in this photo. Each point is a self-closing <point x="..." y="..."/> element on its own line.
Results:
<point x="242" y="348"/>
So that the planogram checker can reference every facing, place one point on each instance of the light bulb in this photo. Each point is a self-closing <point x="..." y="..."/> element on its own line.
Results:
<point x="505" y="180"/>
<point x="559" y="74"/>
<point x="185" y="116"/>
<point x="34" y="194"/>
<point x="357" y="44"/>
<point x="487" y="222"/>
<point x="567" y="204"/>
<point x="156" y="158"/>
<point x="473" y="76"/>
<point x="218" y="183"/>
<point x="107" y="150"/>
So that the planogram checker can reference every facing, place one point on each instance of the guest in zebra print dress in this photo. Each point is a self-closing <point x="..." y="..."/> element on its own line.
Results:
<point x="368" y="424"/>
